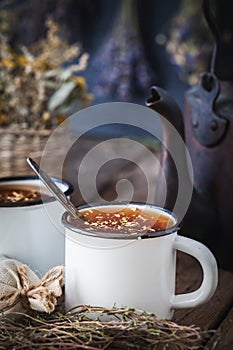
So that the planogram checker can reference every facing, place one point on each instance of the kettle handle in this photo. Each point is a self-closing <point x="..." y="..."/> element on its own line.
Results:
<point x="208" y="126"/>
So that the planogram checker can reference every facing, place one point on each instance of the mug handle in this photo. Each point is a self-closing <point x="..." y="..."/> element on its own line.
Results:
<point x="210" y="273"/>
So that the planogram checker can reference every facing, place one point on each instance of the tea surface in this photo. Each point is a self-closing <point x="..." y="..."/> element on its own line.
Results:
<point x="20" y="193"/>
<point x="128" y="220"/>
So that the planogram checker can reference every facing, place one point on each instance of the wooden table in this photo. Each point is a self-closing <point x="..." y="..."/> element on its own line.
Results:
<point x="217" y="314"/>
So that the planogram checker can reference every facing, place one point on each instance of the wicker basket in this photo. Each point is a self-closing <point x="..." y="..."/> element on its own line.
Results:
<point x="18" y="144"/>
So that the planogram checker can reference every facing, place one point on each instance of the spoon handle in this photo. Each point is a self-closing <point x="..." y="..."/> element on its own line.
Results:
<point x="53" y="188"/>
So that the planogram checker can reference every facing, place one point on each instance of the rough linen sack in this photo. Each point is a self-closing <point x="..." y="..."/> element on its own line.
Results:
<point x="21" y="289"/>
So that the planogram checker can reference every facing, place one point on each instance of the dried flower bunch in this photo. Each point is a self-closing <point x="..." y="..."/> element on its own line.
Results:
<point x="40" y="86"/>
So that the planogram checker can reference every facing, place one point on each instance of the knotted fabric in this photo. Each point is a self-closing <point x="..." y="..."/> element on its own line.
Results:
<point x="21" y="289"/>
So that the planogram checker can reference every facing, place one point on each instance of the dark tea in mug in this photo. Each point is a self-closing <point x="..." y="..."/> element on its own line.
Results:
<point x="129" y="219"/>
<point x="20" y="193"/>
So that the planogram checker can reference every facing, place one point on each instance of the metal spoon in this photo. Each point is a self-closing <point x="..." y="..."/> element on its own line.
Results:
<point x="54" y="189"/>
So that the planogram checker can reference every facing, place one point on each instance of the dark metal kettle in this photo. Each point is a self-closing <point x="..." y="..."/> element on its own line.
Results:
<point x="207" y="128"/>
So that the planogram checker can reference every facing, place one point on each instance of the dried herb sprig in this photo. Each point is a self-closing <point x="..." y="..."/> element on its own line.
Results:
<point x="98" y="328"/>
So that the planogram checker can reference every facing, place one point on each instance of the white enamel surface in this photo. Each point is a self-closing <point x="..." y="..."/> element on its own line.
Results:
<point x="29" y="235"/>
<point x="127" y="274"/>
<point x="135" y="273"/>
<point x="210" y="274"/>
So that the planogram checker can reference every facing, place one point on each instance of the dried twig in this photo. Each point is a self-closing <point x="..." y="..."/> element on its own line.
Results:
<point x="95" y="328"/>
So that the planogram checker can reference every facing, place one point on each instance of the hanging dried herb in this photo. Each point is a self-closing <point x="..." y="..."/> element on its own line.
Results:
<point x="121" y="66"/>
<point x="40" y="85"/>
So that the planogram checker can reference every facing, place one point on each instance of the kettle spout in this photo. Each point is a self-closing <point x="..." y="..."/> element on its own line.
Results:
<point x="160" y="101"/>
<point x="171" y="115"/>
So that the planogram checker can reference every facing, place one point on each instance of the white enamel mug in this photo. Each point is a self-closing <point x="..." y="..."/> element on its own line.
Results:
<point x="134" y="271"/>
<point x="32" y="232"/>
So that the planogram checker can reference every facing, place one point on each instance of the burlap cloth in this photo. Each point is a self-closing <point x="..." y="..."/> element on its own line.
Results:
<point x="22" y="290"/>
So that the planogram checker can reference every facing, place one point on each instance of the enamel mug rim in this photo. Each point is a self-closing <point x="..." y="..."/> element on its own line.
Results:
<point x="12" y="179"/>
<point x="99" y="234"/>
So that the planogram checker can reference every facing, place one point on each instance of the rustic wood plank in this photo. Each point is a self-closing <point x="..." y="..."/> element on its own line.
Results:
<point x="218" y="312"/>
<point x="211" y="314"/>
<point x="224" y="339"/>
<point x="188" y="273"/>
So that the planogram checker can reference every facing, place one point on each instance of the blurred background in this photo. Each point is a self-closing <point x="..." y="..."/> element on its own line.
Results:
<point x="58" y="56"/>
<point x="132" y="44"/>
